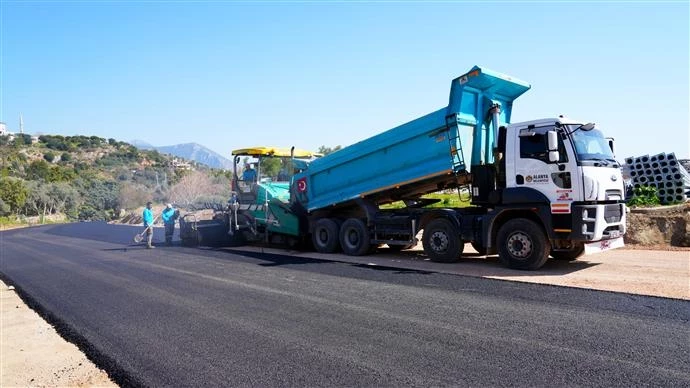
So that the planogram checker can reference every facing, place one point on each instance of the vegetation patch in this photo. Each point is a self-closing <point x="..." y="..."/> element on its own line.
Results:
<point x="92" y="178"/>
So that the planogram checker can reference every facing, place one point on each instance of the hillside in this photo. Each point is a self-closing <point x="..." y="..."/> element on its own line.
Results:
<point x="91" y="178"/>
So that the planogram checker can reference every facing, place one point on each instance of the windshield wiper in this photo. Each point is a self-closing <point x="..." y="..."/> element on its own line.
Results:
<point x="605" y="161"/>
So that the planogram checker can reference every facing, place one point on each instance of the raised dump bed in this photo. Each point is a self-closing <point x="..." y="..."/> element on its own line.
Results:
<point x="425" y="155"/>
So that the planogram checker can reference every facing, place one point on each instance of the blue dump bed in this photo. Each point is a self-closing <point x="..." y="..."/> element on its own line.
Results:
<point x="422" y="156"/>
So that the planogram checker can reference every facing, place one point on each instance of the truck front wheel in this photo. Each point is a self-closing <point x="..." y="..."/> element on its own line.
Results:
<point x="522" y="245"/>
<point x="354" y="237"/>
<point x="325" y="236"/>
<point x="441" y="241"/>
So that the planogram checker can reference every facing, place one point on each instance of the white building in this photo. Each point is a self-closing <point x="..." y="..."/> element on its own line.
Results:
<point x="3" y="129"/>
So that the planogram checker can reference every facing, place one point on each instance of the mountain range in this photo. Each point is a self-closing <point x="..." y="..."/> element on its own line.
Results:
<point x="189" y="151"/>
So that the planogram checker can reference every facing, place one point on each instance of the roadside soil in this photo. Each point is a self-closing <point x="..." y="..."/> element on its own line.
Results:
<point x="32" y="353"/>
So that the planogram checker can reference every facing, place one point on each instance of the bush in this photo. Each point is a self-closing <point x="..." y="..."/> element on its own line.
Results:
<point x="9" y="221"/>
<point x="644" y="196"/>
<point x="87" y="212"/>
<point x="49" y="157"/>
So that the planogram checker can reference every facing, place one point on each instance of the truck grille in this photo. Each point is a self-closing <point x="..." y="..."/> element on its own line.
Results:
<point x="614" y="195"/>
<point x="613" y="213"/>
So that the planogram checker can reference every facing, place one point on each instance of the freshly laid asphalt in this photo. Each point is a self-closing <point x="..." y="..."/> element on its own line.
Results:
<point x="176" y="316"/>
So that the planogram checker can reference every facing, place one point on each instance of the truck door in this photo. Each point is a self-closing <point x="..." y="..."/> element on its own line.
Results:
<point x="534" y="170"/>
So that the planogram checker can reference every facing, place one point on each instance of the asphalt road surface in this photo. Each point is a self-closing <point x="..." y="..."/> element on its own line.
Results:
<point x="175" y="316"/>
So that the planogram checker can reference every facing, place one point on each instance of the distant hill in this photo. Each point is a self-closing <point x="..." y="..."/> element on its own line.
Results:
<point x="142" y="145"/>
<point x="190" y="151"/>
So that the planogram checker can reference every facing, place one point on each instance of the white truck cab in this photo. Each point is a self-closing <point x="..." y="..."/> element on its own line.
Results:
<point x="572" y="165"/>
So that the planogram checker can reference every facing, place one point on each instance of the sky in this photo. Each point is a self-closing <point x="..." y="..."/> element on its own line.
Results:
<point x="228" y="74"/>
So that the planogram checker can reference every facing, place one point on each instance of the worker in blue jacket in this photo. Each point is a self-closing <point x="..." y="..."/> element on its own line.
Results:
<point x="169" y="216"/>
<point x="148" y="224"/>
<point x="249" y="174"/>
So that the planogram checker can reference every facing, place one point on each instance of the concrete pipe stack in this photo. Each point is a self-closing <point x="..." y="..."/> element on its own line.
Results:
<point x="663" y="172"/>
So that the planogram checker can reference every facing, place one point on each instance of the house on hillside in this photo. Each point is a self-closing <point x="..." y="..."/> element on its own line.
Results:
<point x="3" y="129"/>
<point x="181" y="165"/>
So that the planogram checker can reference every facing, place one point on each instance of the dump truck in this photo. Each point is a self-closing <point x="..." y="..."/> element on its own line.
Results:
<point x="547" y="187"/>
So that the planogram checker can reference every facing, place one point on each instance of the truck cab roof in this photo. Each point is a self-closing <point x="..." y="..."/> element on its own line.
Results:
<point x="547" y="122"/>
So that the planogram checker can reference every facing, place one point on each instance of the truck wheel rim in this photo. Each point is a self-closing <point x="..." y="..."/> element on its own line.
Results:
<point x="323" y="236"/>
<point x="439" y="241"/>
<point x="352" y="238"/>
<point x="519" y="245"/>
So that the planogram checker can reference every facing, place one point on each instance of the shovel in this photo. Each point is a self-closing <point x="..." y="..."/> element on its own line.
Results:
<point x="139" y="237"/>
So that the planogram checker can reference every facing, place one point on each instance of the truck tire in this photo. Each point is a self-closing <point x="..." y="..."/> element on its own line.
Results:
<point x="522" y="244"/>
<point x="354" y="237"/>
<point x="441" y="241"/>
<point x="569" y="254"/>
<point x="325" y="236"/>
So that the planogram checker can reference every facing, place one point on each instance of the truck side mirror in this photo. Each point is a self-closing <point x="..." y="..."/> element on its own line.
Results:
<point x="610" y="140"/>
<point x="552" y="140"/>
<point x="552" y="145"/>
<point x="554" y="156"/>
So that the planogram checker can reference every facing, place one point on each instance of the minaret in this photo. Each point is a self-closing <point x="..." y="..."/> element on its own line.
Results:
<point x="21" y="123"/>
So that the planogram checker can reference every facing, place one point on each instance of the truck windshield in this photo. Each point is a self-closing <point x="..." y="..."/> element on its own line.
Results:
<point x="592" y="145"/>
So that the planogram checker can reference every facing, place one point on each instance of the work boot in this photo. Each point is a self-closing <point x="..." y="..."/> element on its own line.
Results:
<point x="149" y="241"/>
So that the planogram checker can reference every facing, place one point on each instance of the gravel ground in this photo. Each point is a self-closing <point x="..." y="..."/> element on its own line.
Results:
<point x="32" y="354"/>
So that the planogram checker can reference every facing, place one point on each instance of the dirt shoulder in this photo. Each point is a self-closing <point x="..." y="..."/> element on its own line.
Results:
<point x="32" y="353"/>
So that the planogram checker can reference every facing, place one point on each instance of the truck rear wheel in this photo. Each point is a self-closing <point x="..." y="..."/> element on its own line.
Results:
<point x="522" y="244"/>
<point x="354" y="237"/>
<point x="325" y="236"/>
<point x="441" y="241"/>
<point x="569" y="254"/>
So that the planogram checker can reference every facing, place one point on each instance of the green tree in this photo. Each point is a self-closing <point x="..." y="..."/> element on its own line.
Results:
<point x="38" y="201"/>
<point x="100" y="198"/>
<point x="63" y="198"/>
<point x="14" y="193"/>
<point x="19" y="141"/>
<point x="328" y="150"/>
<point x="270" y="167"/>
<point x="38" y="170"/>
<point x="5" y="209"/>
